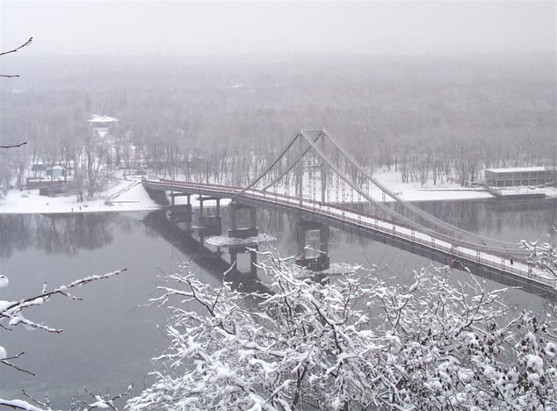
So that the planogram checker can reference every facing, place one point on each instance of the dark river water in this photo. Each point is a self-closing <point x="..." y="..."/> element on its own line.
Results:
<point x="110" y="336"/>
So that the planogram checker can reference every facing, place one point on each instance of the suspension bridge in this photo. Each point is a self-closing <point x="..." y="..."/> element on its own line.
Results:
<point x="316" y="179"/>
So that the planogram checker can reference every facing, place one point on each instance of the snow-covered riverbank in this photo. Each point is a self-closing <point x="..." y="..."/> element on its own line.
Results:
<point x="129" y="195"/>
<point x="124" y="195"/>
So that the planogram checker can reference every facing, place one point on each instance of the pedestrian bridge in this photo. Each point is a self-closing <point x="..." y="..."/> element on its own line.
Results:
<point x="314" y="178"/>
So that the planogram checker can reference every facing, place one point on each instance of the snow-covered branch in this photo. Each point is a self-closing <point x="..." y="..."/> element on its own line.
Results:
<point x="543" y="255"/>
<point x="12" y="310"/>
<point x="353" y="343"/>
<point x="11" y="315"/>
<point x="20" y="405"/>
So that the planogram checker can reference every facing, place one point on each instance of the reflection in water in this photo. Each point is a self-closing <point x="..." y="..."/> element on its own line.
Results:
<point x="60" y="233"/>
<point x="505" y="220"/>
<point x="211" y="259"/>
<point x="15" y="233"/>
<point x="500" y="219"/>
<point x="107" y="340"/>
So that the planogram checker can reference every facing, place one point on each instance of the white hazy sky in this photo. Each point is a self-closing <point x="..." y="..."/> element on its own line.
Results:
<point x="231" y="27"/>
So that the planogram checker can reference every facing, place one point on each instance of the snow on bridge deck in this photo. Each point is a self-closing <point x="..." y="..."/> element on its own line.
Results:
<point x="518" y="272"/>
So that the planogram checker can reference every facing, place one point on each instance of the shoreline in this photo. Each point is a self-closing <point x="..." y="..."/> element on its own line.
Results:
<point x="129" y="196"/>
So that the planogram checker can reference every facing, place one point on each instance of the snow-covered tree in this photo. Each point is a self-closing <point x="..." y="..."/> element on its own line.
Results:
<point x="543" y="255"/>
<point x="352" y="343"/>
<point x="12" y="314"/>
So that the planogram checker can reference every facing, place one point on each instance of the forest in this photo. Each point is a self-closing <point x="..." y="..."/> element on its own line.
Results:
<point x="431" y="118"/>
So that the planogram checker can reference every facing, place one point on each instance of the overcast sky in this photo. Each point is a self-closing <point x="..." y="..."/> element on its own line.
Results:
<point x="183" y="27"/>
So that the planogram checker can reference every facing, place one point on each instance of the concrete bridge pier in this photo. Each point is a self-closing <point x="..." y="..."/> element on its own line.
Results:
<point x="209" y="224"/>
<point x="181" y="213"/>
<point x="251" y="253"/>
<point x="320" y="259"/>
<point x="238" y="216"/>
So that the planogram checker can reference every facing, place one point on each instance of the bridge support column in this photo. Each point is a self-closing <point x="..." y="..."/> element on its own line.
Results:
<point x="242" y="250"/>
<point x="320" y="259"/>
<point x="235" y="219"/>
<point x="181" y="213"/>
<point x="246" y="215"/>
<point x="209" y="224"/>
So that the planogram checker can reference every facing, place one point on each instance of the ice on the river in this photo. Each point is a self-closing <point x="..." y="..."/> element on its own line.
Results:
<point x="224" y="241"/>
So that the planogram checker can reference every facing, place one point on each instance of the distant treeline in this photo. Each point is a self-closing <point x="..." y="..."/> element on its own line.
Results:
<point x="433" y="118"/>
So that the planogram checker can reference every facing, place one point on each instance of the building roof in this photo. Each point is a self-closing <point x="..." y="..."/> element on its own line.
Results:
<point x="516" y="169"/>
<point x="102" y="119"/>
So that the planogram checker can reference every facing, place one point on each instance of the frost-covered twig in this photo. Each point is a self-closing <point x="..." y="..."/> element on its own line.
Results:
<point x="21" y="405"/>
<point x="12" y="311"/>
<point x="105" y="401"/>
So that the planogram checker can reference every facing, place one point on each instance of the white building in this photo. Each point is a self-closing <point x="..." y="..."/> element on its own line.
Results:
<point x="101" y="124"/>
<point x="518" y="176"/>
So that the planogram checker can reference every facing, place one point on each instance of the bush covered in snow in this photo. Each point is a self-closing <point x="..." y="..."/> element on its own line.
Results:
<point x="543" y="255"/>
<point x="351" y="344"/>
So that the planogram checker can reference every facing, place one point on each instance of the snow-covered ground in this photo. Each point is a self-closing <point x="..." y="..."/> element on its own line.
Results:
<point x="123" y="195"/>
<point x="517" y="191"/>
<point x="446" y="191"/>
<point x="429" y="192"/>
<point x="129" y="195"/>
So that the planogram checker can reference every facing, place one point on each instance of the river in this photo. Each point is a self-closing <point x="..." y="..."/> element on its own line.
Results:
<point x="110" y="336"/>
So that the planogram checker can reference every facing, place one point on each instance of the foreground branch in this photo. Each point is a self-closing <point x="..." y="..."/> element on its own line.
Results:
<point x="15" y="51"/>
<point x="19" y="405"/>
<point x="12" y="145"/>
<point x="3" y="53"/>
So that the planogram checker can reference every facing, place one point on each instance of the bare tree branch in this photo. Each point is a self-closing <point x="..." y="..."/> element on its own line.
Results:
<point x="34" y="400"/>
<point x="12" y="145"/>
<point x="9" y="364"/>
<point x="3" y="53"/>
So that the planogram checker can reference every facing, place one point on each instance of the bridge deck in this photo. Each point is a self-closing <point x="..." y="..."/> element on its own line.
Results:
<point x="502" y="268"/>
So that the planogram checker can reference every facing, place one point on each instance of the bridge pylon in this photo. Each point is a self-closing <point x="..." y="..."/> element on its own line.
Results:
<point x="342" y="181"/>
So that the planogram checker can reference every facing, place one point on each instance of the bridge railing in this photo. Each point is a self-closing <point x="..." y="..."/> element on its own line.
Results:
<point x="358" y="218"/>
